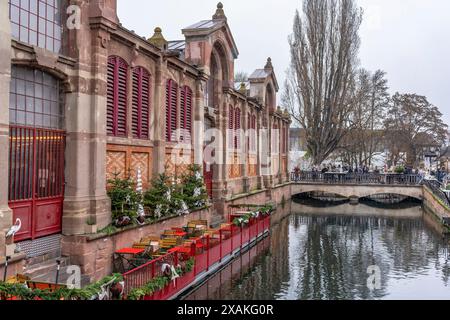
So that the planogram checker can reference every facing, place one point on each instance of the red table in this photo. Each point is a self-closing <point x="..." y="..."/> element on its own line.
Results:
<point x="122" y="255"/>
<point x="132" y="251"/>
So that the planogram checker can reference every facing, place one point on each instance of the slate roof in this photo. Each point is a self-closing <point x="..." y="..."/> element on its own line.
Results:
<point x="260" y="74"/>
<point x="204" y="24"/>
<point x="178" y="45"/>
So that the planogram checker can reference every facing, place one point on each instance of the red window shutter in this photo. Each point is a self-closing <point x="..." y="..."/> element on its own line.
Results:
<point x="237" y="142"/>
<point x="171" y="109"/>
<point x="231" y="126"/>
<point x="116" y="115"/>
<point x="186" y="114"/>
<point x="110" y="104"/>
<point x="141" y="104"/>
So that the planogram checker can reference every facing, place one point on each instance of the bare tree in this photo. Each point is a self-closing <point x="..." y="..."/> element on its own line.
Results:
<point x="366" y="137"/>
<point x="241" y="76"/>
<point x="324" y="48"/>
<point x="412" y="124"/>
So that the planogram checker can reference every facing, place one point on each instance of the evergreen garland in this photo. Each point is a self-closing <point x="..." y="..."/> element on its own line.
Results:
<point x="159" y="283"/>
<point x="20" y="291"/>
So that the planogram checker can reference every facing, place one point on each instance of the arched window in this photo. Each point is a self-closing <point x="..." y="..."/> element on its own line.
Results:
<point x="141" y="104"/>
<point x="171" y="110"/>
<point x="211" y="85"/>
<point x="270" y="98"/>
<point x="35" y="99"/>
<point x="116" y="121"/>
<point x="37" y="22"/>
<point x="186" y="114"/>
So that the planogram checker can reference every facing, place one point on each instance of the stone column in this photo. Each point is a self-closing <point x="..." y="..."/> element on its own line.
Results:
<point x="86" y="198"/>
<point x="5" y="79"/>
<point x="245" y="149"/>
<point x="280" y="150"/>
<point x="258" y="150"/>
<point x="159" y="116"/>
<point x="199" y="121"/>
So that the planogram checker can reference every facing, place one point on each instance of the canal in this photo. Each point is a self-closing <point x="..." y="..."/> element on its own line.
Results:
<point x="325" y="254"/>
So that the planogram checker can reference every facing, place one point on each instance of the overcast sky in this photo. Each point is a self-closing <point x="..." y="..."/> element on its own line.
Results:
<point x="409" y="39"/>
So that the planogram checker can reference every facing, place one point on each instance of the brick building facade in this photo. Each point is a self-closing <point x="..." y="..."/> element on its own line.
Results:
<point x="82" y="99"/>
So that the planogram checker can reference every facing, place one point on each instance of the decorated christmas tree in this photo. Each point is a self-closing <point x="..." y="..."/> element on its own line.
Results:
<point x="124" y="198"/>
<point x="194" y="191"/>
<point x="159" y="197"/>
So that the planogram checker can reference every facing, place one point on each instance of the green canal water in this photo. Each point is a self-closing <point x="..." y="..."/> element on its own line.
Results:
<point x="327" y="256"/>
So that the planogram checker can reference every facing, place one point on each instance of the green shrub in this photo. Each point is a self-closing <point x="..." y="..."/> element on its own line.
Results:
<point x="400" y="169"/>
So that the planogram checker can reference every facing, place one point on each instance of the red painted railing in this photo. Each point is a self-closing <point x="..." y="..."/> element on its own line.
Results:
<point x="207" y="251"/>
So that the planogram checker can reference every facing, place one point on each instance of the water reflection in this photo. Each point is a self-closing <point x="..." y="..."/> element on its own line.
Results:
<point x="327" y="257"/>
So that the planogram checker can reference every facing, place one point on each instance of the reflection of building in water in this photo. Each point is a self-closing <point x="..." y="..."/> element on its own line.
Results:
<point x="327" y="257"/>
<point x="225" y="280"/>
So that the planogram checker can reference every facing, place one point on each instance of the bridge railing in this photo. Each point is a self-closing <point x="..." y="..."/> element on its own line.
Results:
<point x="357" y="178"/>
<point x="436" y="187"/>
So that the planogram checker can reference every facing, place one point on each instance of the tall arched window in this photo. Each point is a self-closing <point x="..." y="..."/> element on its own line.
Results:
<point x="35" y="99"/>
<point x="211" y="85"/>
<point x="37" y="22"/>
<point x="270" y="98"/>
<point x="186" y="114"/>
<point x="171" y="110"/>
<point x="116" y="121"/>
<point x="141" y="103"/>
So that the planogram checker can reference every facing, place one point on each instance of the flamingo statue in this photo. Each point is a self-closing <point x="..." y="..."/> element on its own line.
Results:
<point x="14" y="229"/>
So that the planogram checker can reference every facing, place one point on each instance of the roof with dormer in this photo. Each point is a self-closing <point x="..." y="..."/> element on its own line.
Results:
<point x="206" y="27"/>
<point x="263" y="74"/>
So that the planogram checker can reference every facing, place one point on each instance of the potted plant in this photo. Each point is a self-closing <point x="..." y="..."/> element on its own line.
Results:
<point x="400" y="169"/>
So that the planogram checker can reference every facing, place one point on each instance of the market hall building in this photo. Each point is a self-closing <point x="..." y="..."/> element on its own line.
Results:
<point x="83" y="99"/>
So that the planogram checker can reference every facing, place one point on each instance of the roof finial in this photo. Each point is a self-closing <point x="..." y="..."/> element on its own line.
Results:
<point x="158" y="39"/>
<point x="269" y="64"/>
<point x="220" y="14"/>
<point x="243" y="88"/>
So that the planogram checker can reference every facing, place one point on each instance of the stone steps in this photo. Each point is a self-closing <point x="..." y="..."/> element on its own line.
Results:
<point x="46" y="271"/>
<point x="40" y="269"/>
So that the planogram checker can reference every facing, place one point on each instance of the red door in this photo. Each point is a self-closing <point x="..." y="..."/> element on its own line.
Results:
<point x="36" y="180"/>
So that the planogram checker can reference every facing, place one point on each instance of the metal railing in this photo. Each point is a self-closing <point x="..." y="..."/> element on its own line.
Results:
<point x="436" y="188"/>
<point x="357" y="178"/>
<point x="206" y="251"/>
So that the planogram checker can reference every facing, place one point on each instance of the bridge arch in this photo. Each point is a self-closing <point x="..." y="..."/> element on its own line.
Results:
<point x="359" y="191"/>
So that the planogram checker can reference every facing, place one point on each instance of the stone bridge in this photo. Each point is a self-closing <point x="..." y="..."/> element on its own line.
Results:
<point x="356" y="186"/>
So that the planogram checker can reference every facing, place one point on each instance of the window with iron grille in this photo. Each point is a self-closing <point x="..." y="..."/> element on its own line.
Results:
<point x="171" y="110"/>
<point x="116" y="115"/>
<point x="141" y="104"/>
<point x="37" y="22"/>
<point x="186" y="114"/>
<point x="35" y="99"/>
